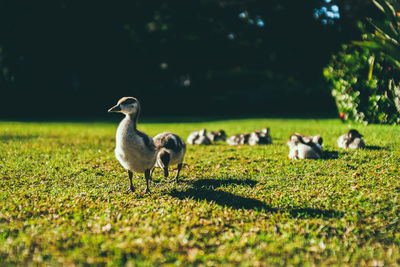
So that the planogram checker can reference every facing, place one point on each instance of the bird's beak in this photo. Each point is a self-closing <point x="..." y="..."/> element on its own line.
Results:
<point x="115" y="108"/>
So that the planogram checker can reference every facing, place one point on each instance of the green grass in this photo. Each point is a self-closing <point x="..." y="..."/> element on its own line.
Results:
<point x="63" y="199"/>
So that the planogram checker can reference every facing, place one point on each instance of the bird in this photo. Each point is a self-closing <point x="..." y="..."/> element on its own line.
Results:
<point x="261" y="137"/>
<point x="171" y="150"/>
<point x="352" y="139"/>
<point x="216" y="136"/>
<point x="134" y="150"/>
<point x="198" y="138"/>
<point x="305" y="147"/>
<point x="238" y="139"/>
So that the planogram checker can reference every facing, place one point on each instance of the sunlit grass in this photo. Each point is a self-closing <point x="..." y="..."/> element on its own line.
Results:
<point x="63" y="198"/>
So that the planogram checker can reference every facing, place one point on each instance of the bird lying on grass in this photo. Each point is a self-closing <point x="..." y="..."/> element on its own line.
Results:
<point x="261" y="137"/>
<point x="198" y="138"/>
<point x="216" y="136"/>
<point x="305" y="147"/>
<point x="352" y="139"/>
<point x="238" y="139"/>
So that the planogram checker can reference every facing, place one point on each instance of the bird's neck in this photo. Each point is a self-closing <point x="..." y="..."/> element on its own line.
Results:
<point x="132" y="119"/>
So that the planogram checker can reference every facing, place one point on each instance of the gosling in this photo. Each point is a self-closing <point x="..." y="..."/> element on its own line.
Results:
<point x="134" y="149"/>
<point x="238" y="139"/>
<point x="261" y="137"/>
<point x="352" y="140"/>
<point x="171" y="150"/>
<point x="198" y="138"/>
<point x="217" y="136"/>
<point x="305" y="147"/>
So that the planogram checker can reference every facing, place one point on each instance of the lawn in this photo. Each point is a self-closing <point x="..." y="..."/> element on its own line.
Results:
<point x="63" y="199"/>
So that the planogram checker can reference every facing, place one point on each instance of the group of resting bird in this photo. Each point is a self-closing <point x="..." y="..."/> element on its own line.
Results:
<point x="310" y="147"/>
<point x="202" y="137"/>
<point x="138" y="152"/>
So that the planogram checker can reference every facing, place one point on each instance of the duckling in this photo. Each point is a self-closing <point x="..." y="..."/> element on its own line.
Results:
<point x="261" y="137"/>
<point x="171" y="150"/>
<point x="135" y="150"/>
<point x="199" y="138"/>
<point x="352" y="139"/>
<point x="192" y="137"/>
<point x="238" y="139"/>
<point x="305" y="147"/>
<point x="217" y="136"/>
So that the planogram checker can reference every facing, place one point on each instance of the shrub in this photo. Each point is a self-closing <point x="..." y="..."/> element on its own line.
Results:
<point x="362" y="85"/>
<point x="385" y="35"/>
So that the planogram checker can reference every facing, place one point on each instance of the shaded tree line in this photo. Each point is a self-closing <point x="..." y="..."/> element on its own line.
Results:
<point x="179" y="57"/>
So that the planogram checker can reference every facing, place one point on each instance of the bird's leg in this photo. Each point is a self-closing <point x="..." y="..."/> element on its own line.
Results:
<point x="166" y="171"/>
<point x="177" y="173"/>
<point x="151" y="173"/>
<point x="130" y="174"/>
<point x="148" y="178"/>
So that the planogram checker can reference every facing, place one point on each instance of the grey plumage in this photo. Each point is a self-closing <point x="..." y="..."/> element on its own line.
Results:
<point x="260" y="137"/>
<point x="216" y="136"/>
<point x="134" y="149"/>
<point x="198" y="138"/>
<point x="171" y="150"/>
<point x="351" y="140"/>
<point x="305" y="147"/>
<point x="238" y="139"/>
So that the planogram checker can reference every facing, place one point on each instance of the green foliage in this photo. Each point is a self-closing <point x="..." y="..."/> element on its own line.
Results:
<point x="362" y="85"/>
<point x="63" y="200"/>
<point x="386" y="35"/>
<point x="365" y="87"/>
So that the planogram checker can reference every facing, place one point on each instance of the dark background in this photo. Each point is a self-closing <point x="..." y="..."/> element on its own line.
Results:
<point x="180" y="58"/>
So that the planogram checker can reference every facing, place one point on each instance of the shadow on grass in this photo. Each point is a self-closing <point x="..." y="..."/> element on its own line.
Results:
<point x="199" y="192"/>
<point x="222" y="182"/>
<point x="221" y="198"/>
<point x="17" y="137"/>
<point x="375" y="148"/>
<point x="330" y="154"/>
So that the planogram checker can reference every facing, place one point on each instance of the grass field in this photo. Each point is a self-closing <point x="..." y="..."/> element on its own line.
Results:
<point x="63" y="199"/>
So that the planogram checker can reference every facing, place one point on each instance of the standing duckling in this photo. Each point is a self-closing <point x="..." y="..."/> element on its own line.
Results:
<point x="216" y="136"/>
<point x="305" y="147"/>
<point x="134" y="150"/>
<point x="352" y="139"/>
<point x="238" y="139"/>
<point x="199" y="138"/>
<point x="171" y="150"/>
<point x="261" y="137"/>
